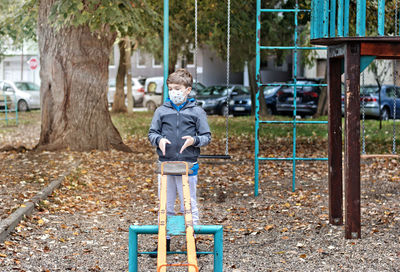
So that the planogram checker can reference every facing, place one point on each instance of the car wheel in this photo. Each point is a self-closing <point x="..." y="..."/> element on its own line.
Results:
<point x="151" y="106"/>
<point x="224" y="110"/>
<point x="385" y="114"/>
<point x="22" y="105"/>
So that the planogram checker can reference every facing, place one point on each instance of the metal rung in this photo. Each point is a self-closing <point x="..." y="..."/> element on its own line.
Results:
<point x="285" y="10"/>
<point x="293" y="121"/>
<point x="292" y="47"/>
<point x="291" y="159"/>
<point x="292" y="84"/>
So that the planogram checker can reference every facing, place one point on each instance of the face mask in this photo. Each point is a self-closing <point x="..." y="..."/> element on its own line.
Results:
<point x="177" y="97"/>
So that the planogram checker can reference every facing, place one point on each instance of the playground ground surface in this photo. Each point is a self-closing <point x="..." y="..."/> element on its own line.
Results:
<point x="84" y="225"/>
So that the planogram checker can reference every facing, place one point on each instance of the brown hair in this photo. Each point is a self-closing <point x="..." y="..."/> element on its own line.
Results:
<point x="181" y="77"/>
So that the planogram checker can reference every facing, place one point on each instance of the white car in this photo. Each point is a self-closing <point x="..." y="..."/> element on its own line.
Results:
<point x="137" y="91"/>
<point x="153" y="92"/>
<point x="26" y="94"/>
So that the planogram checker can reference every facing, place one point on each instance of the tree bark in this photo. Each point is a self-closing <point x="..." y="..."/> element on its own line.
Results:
<point x="128" y="50"/>
<point x="253" y="90"/>
<point x="119" y="96"/>
<point x="74" y="79"/>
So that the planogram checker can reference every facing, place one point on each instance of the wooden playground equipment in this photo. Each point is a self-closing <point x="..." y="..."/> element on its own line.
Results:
<point x="175" y="225"/>
<point x="348" y="55"/>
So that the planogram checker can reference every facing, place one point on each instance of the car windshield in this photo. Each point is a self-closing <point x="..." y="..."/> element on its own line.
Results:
<point x="111" y="83"/>
<point x="27" y="86"/>
<point x="142" y="81"/>
<point x="368" y="90"/>
<point x="214" y="91"/>
<point x="268" y="90"/>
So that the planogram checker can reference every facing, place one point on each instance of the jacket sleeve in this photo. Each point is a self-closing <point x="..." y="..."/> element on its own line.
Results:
<point x="155" y="129"/>
<point x="203" y="136"/>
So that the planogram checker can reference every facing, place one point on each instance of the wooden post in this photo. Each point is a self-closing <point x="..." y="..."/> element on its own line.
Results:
<point x="352" y="141"/>
<point x="335" y="141"/>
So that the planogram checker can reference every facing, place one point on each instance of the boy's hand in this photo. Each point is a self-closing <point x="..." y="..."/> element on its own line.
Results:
<point x="189" y="141"/>
<point x="163" y="142"/>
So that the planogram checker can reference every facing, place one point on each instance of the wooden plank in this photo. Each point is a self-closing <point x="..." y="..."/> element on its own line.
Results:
<point x="381" y="49"/>
<point x="335" y="142"/>
<point x="162" y="227"/>
<point x="190" y="242"/>
<point x="339" y="40"/>
<point x="335" y="51"/>
<point x="352" y="141"/>
<point x="380" y="156"/>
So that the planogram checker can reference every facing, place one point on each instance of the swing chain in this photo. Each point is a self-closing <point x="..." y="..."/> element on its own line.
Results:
<point x="228" y="45"/>
<point x="195" y="43"/>
<point x="363" y="112"/>
<point x="395" y="88"/>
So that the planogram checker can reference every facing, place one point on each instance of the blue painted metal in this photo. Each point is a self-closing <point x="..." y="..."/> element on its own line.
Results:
<point x="381" y="17"/>
<point x="7" y="111"/>
<point x="292" y="121"/>
<point x="257" y="109"/>
<point x="293" y="159"/>
<point x="332" y="25"/>
<point x="166" y="46"/>
<point x="325" y="21"/>
<point x="361" y="13"/>
<point x="292" y="47"/>
<point x="284" y="10"/>
<point x="340" y="19"/>
<point x="318" y="15"/>
<point x="365" y="61"/>
<point x="216" y="230"/>
<point x="346" y="18"/>
<point x="292" y="84"/>
<point x="176" y="225"/>
<point x="295" y="99"/>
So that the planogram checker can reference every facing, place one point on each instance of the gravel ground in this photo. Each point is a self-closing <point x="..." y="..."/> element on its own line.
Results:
<point x="84" y="225"/>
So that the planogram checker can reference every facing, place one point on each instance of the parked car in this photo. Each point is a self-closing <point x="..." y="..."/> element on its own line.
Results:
<point x="306" y="99"/>
<point x="153" y="92"/>
<point x="241" y="104"/>
<point x="213" y="99"/>
<point x="137" y="91"/>
<point x="27" y="94"/>
<point x="370" y="95"/>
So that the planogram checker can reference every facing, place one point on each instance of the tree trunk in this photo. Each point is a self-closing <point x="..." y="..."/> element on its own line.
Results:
<point x="119" y="96"/>
<point x="128" y="74"/>
<point x="253" y="90"/>
<point x="74" y="79"/>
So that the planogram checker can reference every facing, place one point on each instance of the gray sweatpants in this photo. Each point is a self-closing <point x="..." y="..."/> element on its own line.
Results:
<point x="174" y="184"/>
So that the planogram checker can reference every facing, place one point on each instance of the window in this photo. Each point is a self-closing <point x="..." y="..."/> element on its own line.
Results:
<point x="151" y="88"/>
<point x="157" y="62"/>
<point x="27" y="86"/>
<point x="190" y="59"/>
<point x="321" y="68"/>
<point x="141" y="59"/>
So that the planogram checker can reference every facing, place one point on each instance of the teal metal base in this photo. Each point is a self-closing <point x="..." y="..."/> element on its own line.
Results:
<point x="216" y="230"/>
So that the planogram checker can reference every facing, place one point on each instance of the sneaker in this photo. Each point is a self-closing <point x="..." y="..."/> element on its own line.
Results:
<point x="154" y="255"/>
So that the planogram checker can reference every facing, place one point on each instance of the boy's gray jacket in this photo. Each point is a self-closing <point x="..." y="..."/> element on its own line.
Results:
<point x="169" y="123"/>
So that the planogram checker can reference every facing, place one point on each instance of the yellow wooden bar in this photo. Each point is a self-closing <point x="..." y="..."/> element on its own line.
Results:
<point x="190" y="242"/>
<point x="162" y="227"/>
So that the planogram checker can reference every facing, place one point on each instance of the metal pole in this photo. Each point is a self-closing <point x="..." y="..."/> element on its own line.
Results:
<point x="258" y="79"/>
<point x="381" y="17"/>
<point x="133" y="251"/>
<point x="166" y="47"/>
<point x="218" y="250"/>
<point x="295" y="98"/>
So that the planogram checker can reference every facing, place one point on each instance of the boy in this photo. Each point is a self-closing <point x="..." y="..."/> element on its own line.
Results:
<point x="178" y="130"/>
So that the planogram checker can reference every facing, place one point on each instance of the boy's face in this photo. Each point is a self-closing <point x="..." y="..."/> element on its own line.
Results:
<point x="178" y="93"/>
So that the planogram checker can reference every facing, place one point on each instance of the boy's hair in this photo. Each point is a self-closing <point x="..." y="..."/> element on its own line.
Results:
<point x="181" y="77"/>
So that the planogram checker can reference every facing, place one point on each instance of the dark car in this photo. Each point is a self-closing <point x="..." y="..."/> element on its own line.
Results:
<point x="213" y="99"/>
<point x="241" y="105"/>
<point x="306" y="99"/>
<point x="372" y="97"/>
